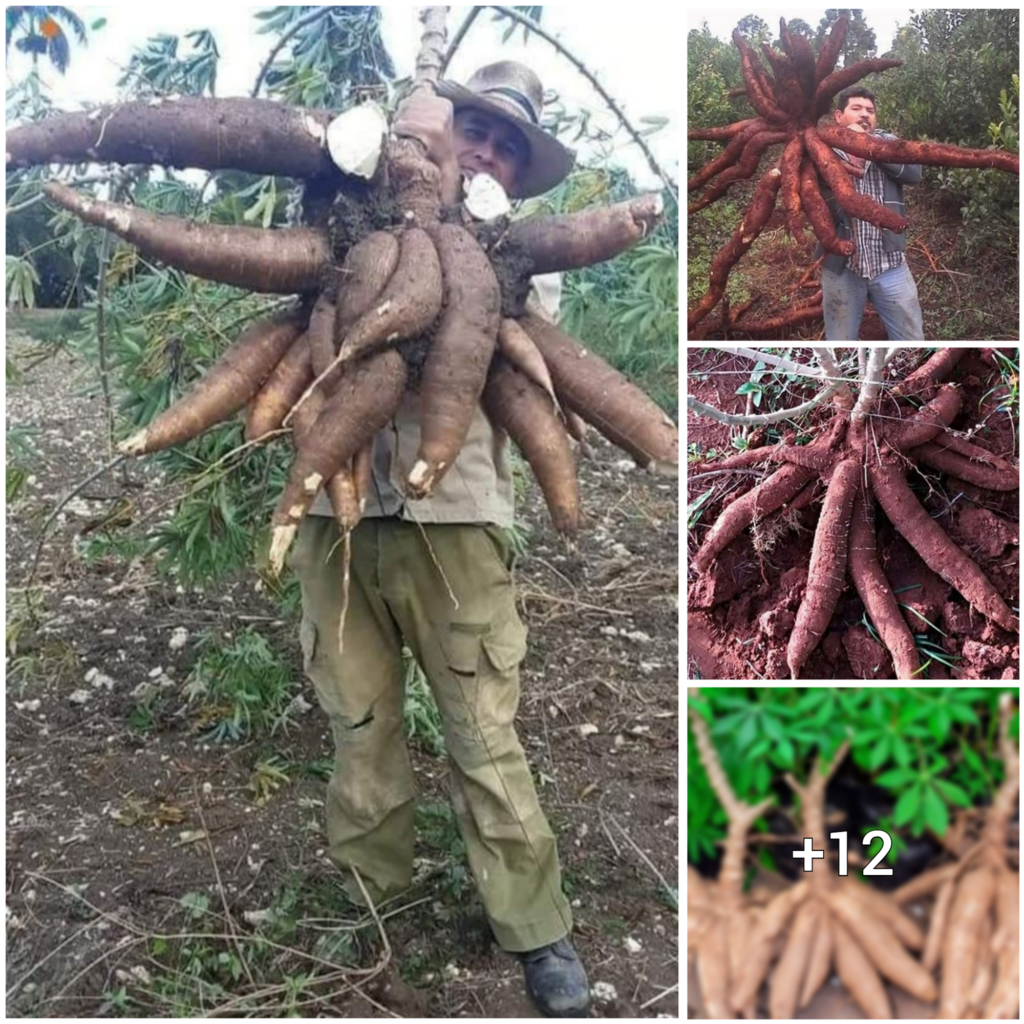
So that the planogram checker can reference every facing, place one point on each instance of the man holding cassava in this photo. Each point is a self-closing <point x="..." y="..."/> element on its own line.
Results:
<point x="436" y="575"/>
<point x="878" y="269"/>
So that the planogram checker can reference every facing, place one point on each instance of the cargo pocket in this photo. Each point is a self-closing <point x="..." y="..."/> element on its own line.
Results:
<point x="498" y="682"/>
<point x="505" y="644"/>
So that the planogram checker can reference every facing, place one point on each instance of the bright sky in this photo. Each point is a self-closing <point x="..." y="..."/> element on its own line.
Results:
<point x="637" y="59"/>
<point x="722" y="20"/>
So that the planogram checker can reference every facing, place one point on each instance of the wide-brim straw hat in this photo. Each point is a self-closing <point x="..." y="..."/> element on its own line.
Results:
<point x="512" y="91"/>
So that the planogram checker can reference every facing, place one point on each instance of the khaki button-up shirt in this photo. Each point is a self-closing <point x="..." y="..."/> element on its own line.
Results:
<point x="477" y="487"/>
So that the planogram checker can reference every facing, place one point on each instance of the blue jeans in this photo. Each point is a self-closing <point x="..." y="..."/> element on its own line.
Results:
<point x="893" y="293"/>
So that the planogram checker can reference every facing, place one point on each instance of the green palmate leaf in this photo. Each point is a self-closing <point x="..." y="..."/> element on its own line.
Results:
<point x="759" y="749"/>
<point x="962" y="713"/>
<point x="953" y="793"/>
<point x="939" y="722"/>
<point x="896" y="777"/>
<point x="747" y="733"/>
<point x="900" y="752"/>
<point x="772" y="727"/>
<point x="879" y="754"/>
<point x="732" y="702"/>
<point x="907" y="805"/>
<point x="784" y="753"/>
<point x="935" y="812"/>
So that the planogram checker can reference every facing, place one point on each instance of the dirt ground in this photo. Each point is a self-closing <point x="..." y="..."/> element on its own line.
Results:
<point x="117" y="836"/>
<point x="960" y="297"/>
<point x="741" y="611"/>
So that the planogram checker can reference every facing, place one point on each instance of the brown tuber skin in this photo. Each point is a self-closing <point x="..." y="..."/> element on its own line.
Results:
<point x="254" y="135"/>
<point x="281" y="390"/>
<point x="455" y="370"/>
<point x="380" y="308"/>
<point x="282" y="261"/>
<point x="827" y="573"/>
<point x="228" y="386"/>
<point x="519" y="407"/>
<point x="366" y="399"/>
<point x="588" y="386"/>
<point x="574" y="240"/>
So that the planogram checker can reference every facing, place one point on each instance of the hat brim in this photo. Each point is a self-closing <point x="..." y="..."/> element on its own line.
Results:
<point x="550" y="161"/>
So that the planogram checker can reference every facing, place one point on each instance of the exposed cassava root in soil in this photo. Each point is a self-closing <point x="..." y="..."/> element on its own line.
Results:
<point x="866" y="460"/>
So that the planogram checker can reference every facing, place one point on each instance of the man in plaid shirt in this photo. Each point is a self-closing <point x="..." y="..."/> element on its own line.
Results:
<point x="878" y="269"/>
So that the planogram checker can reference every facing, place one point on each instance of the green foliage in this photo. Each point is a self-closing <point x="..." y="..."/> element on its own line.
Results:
<point x="991" y="208"/>
<point x="712" y="67"/>
<point x="955" y="62"/>
<point x="799" y="27"/>
<point x="860" y="39"/>
<point x="332" y="59"/>
<point x="21" y="454"/>
<point x="159" y="69"/>
<point x="706" y="820"/>
<point x="421" y="714"/>
<point x="241" y="689"/>
<point x="932" y="749"/>
<point x="22" y="280"/>
<point x="755" y="30"/>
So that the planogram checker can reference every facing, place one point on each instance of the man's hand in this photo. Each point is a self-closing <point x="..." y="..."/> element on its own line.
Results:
<point x="429" y="118"/>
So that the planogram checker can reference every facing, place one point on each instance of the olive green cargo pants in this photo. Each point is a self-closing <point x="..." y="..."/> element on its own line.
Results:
<point x="470" y="653"/>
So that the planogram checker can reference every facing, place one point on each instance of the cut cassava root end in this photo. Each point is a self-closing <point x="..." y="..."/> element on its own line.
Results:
<point x="256" y="135"/>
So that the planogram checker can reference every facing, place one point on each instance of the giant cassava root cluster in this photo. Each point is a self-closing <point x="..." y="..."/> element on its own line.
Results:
<point x="862" y="460"/>
<point x="789" y="101"/>
<point x="418" y="297"/>
<point x="827" y="922"/>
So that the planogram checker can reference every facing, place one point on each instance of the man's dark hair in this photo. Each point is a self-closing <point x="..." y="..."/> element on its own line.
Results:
<point x="855" y="90"/>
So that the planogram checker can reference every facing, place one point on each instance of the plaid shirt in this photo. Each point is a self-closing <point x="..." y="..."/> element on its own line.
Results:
<point x="871" y="259"/>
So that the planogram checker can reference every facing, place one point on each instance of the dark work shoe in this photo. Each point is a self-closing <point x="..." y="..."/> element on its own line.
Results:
<point x="556" y="980"/>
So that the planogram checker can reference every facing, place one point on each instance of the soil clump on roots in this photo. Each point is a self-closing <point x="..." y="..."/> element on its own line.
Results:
<point x="949" y="593"/>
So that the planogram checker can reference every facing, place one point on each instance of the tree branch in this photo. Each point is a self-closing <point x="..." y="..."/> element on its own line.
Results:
<point x="459" y="36"/>
<point x="511" y="12"/>
<point x="756" y="421"/>
<point x="844" y="399"/>
<point x="872" y="385"/>
<point x="771" y="360"/>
